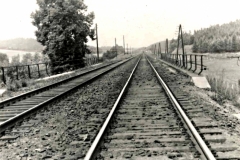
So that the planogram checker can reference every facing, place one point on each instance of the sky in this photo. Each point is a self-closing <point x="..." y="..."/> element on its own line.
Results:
<point x="142" y="22"/>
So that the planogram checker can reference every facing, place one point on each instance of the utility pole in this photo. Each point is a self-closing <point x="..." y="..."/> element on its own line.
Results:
<point x="155" y="49"/>
<point x="183" y="54"/>
<point x="180" y="36"/>
<point x="97" y="44"/>
<point x="159" y="49"/>
<point x="124" y="45"/>
<point x="116" y="45"/>
<point x="127" y="48"/>
<point x="166" y="47"/>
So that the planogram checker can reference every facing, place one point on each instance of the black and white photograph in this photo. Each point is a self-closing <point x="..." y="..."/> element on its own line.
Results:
<point x="119" y="80"/>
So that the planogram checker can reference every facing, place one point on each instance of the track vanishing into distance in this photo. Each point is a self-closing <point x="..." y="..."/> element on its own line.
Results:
<point x="148" y="122"/>
<point x="151" y="118"/>
<point x="17" y="108"/>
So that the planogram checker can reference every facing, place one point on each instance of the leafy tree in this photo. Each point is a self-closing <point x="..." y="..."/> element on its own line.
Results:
<point x="195" y="47"/>
<point x="109" y="55"/>
<point x="15" y="60"/>
<point x="204" y="48"/>
<point x="225" y="44"/>
<point x="220" y="38"/>
<point x="234" y="43"/>
<point x="63" y="27"/>
<point x="37" y="58"/>
<point x="27" y="59"/>
<point x="191" y="40"/>
<point x="4" y="61"/>
<point x="173" y="45"/>
<point x="120" y="49"/>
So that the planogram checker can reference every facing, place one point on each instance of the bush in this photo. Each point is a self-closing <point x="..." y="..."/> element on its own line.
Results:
<point x="15" y="85"/>
<point x="109" y="55"/>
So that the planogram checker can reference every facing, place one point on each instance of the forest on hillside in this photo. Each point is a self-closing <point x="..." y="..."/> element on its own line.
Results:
<point x="24" y="44"/>
<point x="215" y="39"/>
<point x="218" y="38"/>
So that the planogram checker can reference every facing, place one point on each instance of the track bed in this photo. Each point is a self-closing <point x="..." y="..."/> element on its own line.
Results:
<point x="146" y="125"/>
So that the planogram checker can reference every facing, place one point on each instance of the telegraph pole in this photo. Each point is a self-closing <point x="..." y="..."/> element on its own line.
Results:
<point x="116" y="45"/>
<point x="124" y="45"/>
<point x="183" y="54"/>
<point x="155" y="52"/>
<point x="127" y="48"/>
<point x="159" y="49"/>
<point x="166" y="47"/>
<point x="97" y="44"/>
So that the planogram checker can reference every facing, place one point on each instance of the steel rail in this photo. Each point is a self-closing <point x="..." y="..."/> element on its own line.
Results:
<point x="42" y="89"/>
<point x="207" y="153"/>
<point x="12" y="121"/>
<point x="100" y="134"/>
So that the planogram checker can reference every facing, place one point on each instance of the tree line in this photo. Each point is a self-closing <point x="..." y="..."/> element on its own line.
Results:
<point x="215" y="39"/>
<point x="27" y="59"/>
<point x="218" y="38"/>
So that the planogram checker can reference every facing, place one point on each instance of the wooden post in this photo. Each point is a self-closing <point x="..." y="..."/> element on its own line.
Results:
<point x="115" y="46"/>
<point x="182" y="46"/>
<point x="124" y="45"/>
<point x="3" y="76"/>
<point x="46" y="69"/>
<point x="29" y="72"/>
<point x="17" y="72"/>
<point x="159" y="49"/>
<point x="38" y="70"/>
<point x="97" y="43"/>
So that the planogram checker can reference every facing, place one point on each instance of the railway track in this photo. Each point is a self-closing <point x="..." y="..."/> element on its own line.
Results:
<point x="204" y="118"/>
<point x="147" y="122"/>
<point x="18" y="108"/>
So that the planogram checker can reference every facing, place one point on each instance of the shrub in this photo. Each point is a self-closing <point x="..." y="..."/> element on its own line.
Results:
<point x="109" y="55"/>
<point x="15" y="85"/>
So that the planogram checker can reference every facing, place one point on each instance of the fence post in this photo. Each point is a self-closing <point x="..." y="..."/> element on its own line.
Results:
<point x="186" y="60"/>
<point x="17" y="72"/>
<point x="3" y="76"/>
<point x="38" y="70"/>
<point x="201" y="65"/>
<point x="195" y="63"/>
<point x="190" y="62"/>
<point x="29" y="72"/>
<point x="46" y="69"/>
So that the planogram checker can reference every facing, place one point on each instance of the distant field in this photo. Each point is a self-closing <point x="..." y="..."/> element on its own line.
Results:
<point x="11" y="53"/>
<point x="218" y="64"/>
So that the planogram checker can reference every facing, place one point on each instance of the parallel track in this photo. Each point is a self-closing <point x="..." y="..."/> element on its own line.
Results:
<point x="147" y="122"/>
<point x="17" y="108"/>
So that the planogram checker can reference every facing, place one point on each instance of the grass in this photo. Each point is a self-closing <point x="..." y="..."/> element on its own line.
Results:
<point x="223" y="75"/>
<point x="223" y="89"/>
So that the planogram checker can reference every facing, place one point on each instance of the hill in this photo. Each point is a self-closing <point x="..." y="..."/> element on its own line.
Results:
<point x="24" y="44"/>
<point x="152" y="46"/>
<point x="218" y="38"/>
<point x="187" y="49"/>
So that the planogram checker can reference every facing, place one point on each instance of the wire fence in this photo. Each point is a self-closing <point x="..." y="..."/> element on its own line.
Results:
<point x="38" y="70"/>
